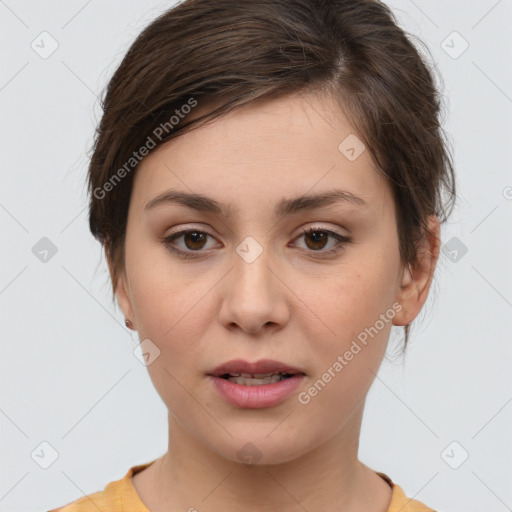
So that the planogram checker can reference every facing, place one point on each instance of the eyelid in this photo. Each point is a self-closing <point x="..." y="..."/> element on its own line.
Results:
<point x="189" y="254"/>
<point x="188" y="227"/>
<point x="314" y="226"/>
<point x="178" y="233"/>
<point x="342" y="240"/>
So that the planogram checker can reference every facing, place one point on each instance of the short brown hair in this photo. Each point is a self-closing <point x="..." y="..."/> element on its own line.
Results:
<point x="231" y="52"/>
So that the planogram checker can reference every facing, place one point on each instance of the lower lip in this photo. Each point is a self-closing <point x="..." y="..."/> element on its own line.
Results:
<point x="255" y="397"/>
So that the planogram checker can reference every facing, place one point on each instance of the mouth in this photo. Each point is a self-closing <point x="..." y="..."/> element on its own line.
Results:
<point x="259" y="373"/>
<point x="260" y="384"/>
<point x="258" y="379"/>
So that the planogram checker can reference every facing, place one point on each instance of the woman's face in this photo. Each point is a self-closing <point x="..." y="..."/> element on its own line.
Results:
<point x="248" y="284"/>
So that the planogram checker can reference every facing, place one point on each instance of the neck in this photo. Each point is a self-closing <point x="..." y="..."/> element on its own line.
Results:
<point x="327" y="477"/>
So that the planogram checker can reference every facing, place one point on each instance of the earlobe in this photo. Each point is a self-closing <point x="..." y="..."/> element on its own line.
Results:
<point x="405" y="295"/>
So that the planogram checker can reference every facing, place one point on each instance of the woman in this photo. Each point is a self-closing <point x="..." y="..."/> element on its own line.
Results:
<point x="267" y="183"/>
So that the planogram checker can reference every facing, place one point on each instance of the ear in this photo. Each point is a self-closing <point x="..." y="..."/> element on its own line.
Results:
<point x="121" y="286"/>
<point x="416" y="279"/>
<point x="123" y="298"/>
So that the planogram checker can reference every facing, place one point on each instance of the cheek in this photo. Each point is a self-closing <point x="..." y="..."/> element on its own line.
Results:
<point x="172" y="303"/>
<point x="173" y="310"/>
<point x="346" y="362"/>
<point x="350" y="298"/>
<point x="160" y="295"/>
<point x="352" y="320"/>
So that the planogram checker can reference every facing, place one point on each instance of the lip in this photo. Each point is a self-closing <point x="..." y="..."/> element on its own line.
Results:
<point x="256" y="397"/>
<point x="261" y="366"/>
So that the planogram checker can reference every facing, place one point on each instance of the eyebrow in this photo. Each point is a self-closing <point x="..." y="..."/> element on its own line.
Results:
<point x="307" y="202"/>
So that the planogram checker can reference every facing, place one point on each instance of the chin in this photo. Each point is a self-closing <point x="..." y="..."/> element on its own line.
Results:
<point x="254" y="447"/>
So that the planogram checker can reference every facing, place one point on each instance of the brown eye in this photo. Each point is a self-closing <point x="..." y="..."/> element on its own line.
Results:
<point x="194" y="240"/>
<point x="192" y="245"/>
<point x="319" y="239"/>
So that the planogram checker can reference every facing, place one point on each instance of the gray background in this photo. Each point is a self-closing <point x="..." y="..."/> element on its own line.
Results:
<point x="68" y="372"/>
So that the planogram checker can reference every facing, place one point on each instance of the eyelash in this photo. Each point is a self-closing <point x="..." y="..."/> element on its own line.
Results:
<point x="343" y="240"/>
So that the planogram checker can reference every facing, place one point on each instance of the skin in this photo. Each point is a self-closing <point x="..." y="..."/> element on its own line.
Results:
<point x="291" y="304"/>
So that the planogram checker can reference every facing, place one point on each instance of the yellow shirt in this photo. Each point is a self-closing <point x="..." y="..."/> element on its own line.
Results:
<point x="121" y="496"/>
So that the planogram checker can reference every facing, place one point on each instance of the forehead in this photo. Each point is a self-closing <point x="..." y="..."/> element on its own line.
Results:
<point x="265" y="151"/>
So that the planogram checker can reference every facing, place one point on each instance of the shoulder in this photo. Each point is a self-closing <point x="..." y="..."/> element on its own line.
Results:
<point x="402" y="503"/>
<point x="97" y="500"/>
<point x="117" y="496"/>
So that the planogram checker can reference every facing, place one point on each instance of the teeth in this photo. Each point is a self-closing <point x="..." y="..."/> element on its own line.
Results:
<point x="258" y="381"/>
<point x="255" y="375"/>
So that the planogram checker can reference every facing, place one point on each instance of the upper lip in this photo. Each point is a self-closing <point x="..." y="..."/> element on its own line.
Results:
<point x="257" y="367"/>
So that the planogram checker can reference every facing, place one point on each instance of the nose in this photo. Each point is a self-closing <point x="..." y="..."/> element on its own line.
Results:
<point x="254" y="297"/>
